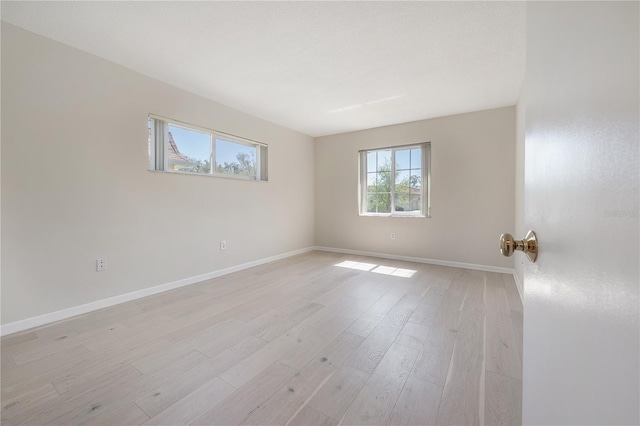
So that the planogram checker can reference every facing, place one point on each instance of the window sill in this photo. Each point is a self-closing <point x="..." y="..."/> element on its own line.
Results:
<point x="214" y="175"/>
<point x="394" y="215"/>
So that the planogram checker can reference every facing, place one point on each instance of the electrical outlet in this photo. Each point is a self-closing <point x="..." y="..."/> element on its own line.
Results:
<point x="101" y="265"/>
<point x="223" y="245"/>
<point x="393" y="235"/>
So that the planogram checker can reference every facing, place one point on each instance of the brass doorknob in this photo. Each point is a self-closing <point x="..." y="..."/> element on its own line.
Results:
<point x="529" y="245"/>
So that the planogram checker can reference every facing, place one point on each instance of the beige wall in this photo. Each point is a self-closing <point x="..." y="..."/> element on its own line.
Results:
<point x="472" y="190"/>
<point x="75" y="185"/>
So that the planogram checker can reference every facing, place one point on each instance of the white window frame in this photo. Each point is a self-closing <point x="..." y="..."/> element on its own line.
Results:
<point x="161" y="126"/>
<point x="425" y="169"/>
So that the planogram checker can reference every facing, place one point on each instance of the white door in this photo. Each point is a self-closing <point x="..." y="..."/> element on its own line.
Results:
<point x="581" y="311"/>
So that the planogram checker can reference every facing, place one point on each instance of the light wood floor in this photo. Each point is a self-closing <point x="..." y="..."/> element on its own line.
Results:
<point x="315" y="339"/>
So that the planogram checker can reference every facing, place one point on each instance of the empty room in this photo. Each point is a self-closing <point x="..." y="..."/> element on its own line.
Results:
<point x="320" y="213"/>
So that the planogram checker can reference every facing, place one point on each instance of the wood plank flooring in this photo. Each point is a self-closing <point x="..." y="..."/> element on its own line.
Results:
<point x="316" y="339"/>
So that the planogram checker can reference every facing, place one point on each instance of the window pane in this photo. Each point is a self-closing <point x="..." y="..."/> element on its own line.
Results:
<point x="384" y="160"/>
<point x="402" y="159"/>
<point x="415" y="181"/>
<point x="416" y="158"/>
<point x="371" y="203"/>
<point x="372" y="179"/>
<point x="379" y="202"/>
<point x="403" y="201"/>
<point x="188" y="150"/>
<point x="416" y="202"/>
<point x="384" y="199"/>
<point x="384" y="202"/>
<point x="235" y="158"/>
<point x="384" y="182"/>
<point x="402" y="181"/>
<point x="371" y="161"/>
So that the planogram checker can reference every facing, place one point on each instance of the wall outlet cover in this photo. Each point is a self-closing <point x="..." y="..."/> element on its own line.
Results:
<point x="101" y="265"/>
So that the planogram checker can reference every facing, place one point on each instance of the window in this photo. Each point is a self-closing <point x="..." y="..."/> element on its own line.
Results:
<point x="183" y="148"/>
<point x="394" y="181"/>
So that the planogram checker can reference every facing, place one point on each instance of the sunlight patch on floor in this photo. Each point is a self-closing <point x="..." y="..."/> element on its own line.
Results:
<point x="378" y="269"/>
<point x="360" y="266"/>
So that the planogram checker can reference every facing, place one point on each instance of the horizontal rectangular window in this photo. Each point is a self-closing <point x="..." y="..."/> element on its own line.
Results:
<point x="394" y="181"/>
<point x="183" y="148"/>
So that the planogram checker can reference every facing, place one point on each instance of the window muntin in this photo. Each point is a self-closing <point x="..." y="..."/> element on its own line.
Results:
<point x="183" y="148"/>
<point x="394" y="181"/>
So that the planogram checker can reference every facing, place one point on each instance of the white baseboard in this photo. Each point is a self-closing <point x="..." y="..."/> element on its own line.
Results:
<point x="25" y="324"/>
<point x="420" y="260"/>
<point x="519" y="286"/>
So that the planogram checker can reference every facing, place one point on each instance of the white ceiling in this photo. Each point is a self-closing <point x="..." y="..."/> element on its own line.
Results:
<point x="316" y="67"/>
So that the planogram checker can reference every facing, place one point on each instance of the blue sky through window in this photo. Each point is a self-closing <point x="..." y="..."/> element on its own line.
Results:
<point x="197" y="145"/>
<point x="227" y="151"/>
<point x="193" y="144"/>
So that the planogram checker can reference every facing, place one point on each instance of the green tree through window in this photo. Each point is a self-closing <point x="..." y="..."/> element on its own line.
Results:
<point x="246" y="165"/>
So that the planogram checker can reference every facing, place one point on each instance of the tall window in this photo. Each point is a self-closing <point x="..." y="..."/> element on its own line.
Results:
<point x="184" y="148"/>
<point x="394" y="181"/>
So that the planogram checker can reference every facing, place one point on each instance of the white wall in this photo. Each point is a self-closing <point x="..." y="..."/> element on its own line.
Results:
<point x="520" y="231"/>
<point x="582" y="296"/>
<point x="472" y="190"/>
<point x="75" y="184"/>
